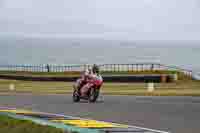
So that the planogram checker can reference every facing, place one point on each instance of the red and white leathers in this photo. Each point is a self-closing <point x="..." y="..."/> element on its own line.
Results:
<point x="92" y="79"/>
<point x="84" y="78"/>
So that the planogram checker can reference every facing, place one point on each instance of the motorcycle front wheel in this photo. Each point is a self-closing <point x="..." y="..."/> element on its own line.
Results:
<point x="94" y="93"/>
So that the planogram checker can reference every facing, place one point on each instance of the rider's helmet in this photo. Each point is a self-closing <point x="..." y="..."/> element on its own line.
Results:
<point x="90" y="70"/>
<point x="95" y="69"/>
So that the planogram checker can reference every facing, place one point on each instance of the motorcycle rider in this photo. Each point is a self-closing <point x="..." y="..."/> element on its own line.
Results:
<point x="84" y="78"/>
<point x="94" y="75"/>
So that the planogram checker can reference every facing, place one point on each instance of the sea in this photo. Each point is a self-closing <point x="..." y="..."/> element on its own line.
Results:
<point x="16" y="50"/>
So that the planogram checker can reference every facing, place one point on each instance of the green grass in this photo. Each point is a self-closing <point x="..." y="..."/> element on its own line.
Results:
<point x="11" y="125"/>
<point x="179" y="88"/>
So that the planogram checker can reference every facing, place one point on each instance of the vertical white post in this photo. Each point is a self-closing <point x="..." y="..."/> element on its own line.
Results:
<point x="175" y="77"/>
<point x="150" y="87"/>
<point x="12" y="87"/>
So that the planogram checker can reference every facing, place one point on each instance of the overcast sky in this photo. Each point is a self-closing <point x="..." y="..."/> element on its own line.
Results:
<point x="109" y="19"/>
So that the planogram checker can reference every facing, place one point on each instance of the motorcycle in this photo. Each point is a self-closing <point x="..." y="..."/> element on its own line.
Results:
<point x="92" y="93"/>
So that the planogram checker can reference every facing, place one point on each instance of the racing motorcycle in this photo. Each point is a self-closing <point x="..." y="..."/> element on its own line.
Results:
<point x="92" y="93"/>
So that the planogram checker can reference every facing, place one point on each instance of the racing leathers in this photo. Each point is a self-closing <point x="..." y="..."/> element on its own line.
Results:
<point x="83" y="80"/>
<point x="90" y="83"/>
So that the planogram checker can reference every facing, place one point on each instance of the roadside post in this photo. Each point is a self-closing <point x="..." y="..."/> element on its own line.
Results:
<point x="11" y="87"/>
<point x="175" y="77"/>
<point x="150" y="87"/>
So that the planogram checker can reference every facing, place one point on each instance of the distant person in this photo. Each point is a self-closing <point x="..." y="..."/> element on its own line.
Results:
<point x="48" y="68"/>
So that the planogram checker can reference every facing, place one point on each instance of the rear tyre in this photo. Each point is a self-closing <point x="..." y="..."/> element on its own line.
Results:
<point x="76" y="97"/>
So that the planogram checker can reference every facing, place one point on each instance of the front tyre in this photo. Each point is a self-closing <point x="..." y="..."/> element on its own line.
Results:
<point x="94" y="93"/>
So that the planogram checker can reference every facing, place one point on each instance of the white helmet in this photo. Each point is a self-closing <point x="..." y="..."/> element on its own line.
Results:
<point x="90" y="70"/>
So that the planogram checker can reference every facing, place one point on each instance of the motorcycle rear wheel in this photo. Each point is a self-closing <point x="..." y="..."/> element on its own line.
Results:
<point x="76" y="97"/>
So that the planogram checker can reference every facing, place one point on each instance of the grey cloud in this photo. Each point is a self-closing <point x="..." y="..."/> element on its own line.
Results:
<point x="125" y="19"/>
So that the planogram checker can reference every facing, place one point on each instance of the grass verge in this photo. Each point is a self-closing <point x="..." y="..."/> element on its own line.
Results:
<point x="179" y="88"/>
<point x="11" y="125"/>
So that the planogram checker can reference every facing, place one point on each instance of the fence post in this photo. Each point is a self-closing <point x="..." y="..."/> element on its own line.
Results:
<point x="152" y="67"/>
<point x="137" y="67"/>
<point x="65" y="68"/>
<point x="132" y="67"/>
<point x="112" y="67"/>
<point x="107" y="67"/>
<point x="142" y="67"/>
<point x="28" y="67"/>
<point x="38" y="68"/>
<point x="159" y="66"/>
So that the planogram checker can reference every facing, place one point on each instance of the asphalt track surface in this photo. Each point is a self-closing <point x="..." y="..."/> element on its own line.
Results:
<point x="173" y="114"/>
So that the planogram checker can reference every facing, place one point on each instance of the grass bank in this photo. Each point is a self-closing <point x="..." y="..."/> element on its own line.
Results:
<point x="179" y="88"/>
<point x="11" y="125"/>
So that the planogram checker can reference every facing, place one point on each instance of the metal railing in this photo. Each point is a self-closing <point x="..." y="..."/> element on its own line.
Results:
<point x="137" y="67"/>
